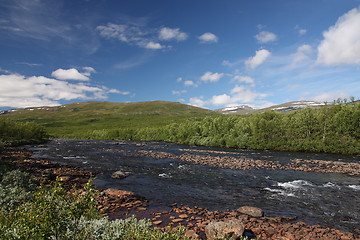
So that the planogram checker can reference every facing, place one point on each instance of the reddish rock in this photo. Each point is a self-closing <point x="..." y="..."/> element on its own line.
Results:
<point x="191" y="234"/>
<point x="183" y="216"/>
<point x="177" y="220"/>
<point x="232" y="228"/>
<point x="118" y="193"/>
<point x="157" y="222"/>
<point x="251" y="211"/>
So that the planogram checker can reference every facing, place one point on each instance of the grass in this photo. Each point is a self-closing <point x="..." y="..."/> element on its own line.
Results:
<point x="77" y="119"/>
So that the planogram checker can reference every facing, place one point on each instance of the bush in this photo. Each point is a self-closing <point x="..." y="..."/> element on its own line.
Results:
<point x="53" y="213"/>
<point x="14" y="133"/>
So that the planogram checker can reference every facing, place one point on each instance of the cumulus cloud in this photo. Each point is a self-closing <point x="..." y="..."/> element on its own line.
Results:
<point x="220" y="100"/>
<point x="208" y="38"/>
<point x="258" y="59"/>
<point x="341" y="43"/>
<point x="21" y="91"/>
<point x="197" y="101"/>
<point x="174" y="92"/>
<point x="239" y="95"/>
<point x="265" y="37"/>
<point x="118" y="92"/>
<point x="211" y="77"/>
<point x="138" y="35"/>
<point x="244" y="79"/>
<point x="301" y="54"/>
<point x="330" y="96"/>
<point x="70" y="74"/>
<point x="168" y="34"/>
<point x="153" y="45"/>
<point x="189" y="83"/>
<point x="87" y="71"/>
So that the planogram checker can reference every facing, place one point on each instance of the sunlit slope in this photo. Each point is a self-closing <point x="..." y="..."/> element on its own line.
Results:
<point x="74" y="120"/>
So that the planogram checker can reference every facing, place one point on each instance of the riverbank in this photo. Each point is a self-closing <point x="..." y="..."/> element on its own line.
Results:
<point x="116" y="203"/>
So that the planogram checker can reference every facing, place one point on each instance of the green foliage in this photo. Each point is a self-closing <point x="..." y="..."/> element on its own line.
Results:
<point x="28" y="212"/>
<point x="129" y="228"/>
<point x="331" y="129"/>
<point x="16" y="133"/>
<point x="15" y="188"/>
<point x="47" y="214"/>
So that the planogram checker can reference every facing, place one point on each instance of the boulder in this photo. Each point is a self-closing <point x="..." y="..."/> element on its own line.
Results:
<point x="251" y="211"/>
<point x="228" y="229"/>
<point x="120" y="175"/>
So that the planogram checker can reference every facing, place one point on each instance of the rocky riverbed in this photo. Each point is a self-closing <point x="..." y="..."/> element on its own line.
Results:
<point x="117" y="203"/>
<point x="231" y="160"/>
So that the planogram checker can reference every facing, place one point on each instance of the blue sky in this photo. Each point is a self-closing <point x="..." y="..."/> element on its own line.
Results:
<point x="207" y="53"/>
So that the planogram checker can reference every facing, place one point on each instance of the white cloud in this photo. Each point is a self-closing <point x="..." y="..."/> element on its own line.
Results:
<point x="246" y="95"/>
<point x="179" y="79"/>
<point x="189" y="83"/>
<point x="20" y="91"/>
<point x="258" y="59"/>
<point x="69" y="74"/>
<point x="220" y="100"/>
<point x="138" y="35"/>
<point x="244" y="79"/>
<point x="227" y="63"/>
<point x="208" y="38"/>
<point x="88" y="71"/>
<point x="341" y="43"/>
<point x="330" y="96"/>
<point x="265" y="37"/>
<point x="153" y="45"/>
<point x="125" y="33"/>
<point x="239" y="95"/>
<point x="168" y="34"/>
<point x="301" y="54"/>
<point x="197" y="101"/>
<point x="211" y="77"/>
<point x="118" y="92"/>
<point x="302" y="32"/>
<point x="174" y="92"/>
<point x="30" y="64"/>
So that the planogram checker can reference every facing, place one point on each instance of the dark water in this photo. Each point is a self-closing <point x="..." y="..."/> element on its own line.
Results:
<point x="317" y="198"/>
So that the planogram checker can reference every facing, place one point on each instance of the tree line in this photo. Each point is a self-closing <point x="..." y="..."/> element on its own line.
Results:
<point x="333" y="128"/>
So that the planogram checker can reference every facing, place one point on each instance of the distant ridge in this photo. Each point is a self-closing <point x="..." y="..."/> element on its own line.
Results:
<point x="285" y="107"/>
<point x="96" y="107"/>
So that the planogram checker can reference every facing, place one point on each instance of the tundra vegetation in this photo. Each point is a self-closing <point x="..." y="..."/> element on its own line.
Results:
<point x="330" y="129"/>
<point x="334" y="128"/>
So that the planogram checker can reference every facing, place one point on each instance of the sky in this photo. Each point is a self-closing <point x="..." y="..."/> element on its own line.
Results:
<point x="207" y="53"/>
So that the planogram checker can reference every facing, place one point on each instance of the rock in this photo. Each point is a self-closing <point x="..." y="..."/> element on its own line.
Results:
<point x="232" y="228"/>
<point x="63" y="178"/>
<point x="191" y="234"/>
<point x="157" y="222"/>
<point x="183" y="216"/>
<point x="118" y="193"/>
<point x="120" y="175"/>
<point x="251" y="211"/>
<point x="177" y="220"/>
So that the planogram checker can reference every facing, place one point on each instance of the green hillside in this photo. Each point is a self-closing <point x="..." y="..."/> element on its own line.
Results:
<point x="76" y="120"/>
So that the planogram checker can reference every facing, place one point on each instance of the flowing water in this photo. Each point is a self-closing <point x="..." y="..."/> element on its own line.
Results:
<point x="328" y="199"/>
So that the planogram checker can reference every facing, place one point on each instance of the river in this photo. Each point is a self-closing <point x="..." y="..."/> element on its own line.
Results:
<point x="328" y="199"/>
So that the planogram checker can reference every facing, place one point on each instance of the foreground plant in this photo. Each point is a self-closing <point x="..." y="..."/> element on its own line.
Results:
<point x="53" y="213"/>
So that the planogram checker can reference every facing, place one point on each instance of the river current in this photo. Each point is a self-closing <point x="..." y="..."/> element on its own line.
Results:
<point x="328" y="199"/>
